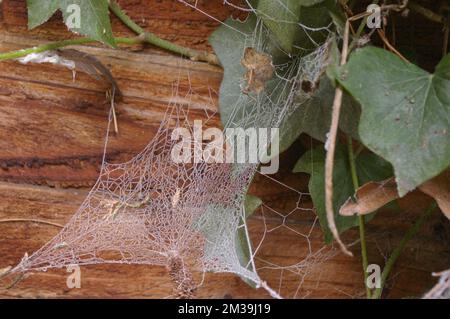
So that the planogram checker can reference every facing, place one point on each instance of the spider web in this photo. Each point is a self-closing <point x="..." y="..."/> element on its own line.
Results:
<point x="442" y="289"/>
<point x="190" y="217"/>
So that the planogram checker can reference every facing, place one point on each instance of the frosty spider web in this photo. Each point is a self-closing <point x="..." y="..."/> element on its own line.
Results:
<point x="190" y="217"/>
<point x="442" y="289"/>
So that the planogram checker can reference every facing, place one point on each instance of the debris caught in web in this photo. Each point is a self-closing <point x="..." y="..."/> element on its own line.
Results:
<point x="259" y="69"/>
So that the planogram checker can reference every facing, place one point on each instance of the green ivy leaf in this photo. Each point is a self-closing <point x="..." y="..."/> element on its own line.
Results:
<point x="313" y="116"/>
<point x="369" y="168"/>
<point x="313" y="112"/>
<point x="210" y="224"/>
<point x="405" y="113"/>
<point x="251" y="204"/>
<point x="281" y="17"/>
<point x="94" y="17"/>
<point x="291" y="23"/>
<point x="39" y="11"/>
<point x="308" y="3"/>
<point x="229" y="46"/>
<point x="316" y="17"/>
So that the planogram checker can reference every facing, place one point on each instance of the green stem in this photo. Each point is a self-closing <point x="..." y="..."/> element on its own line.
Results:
<point x="151" y="38"/>
<point x="44" y="47"/>
<point x="361" y="219"/>
<point x="396" y="253"/>
<point x="60" y="44"/>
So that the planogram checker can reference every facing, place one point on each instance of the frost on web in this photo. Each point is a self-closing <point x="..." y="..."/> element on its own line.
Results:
<point x="190" y="217"/>
<point x="442" y="289"/>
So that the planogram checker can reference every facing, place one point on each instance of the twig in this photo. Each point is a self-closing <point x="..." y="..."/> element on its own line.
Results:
<point x="346" y="8"/>
<point x="30" y="220"/>
<point x="398" y="250"/>
<point x="337" y="104"/>
<point x="329" y="161"/>
<point x="151" y="38"/>
<point x="445" y="44"/>
<point x="15" y="281"/>
<point x="427" y="13"/>
<point x="395" y="7"/>
<point x="111" y="95"/>
<point x="5" y="272"/>
<point x="390" y="46"/>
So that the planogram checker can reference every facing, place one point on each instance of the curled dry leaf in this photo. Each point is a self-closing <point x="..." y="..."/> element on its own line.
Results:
<point x="370" y="197"/>
<point x="92" y="66"/>
<point x="259" y="69"/>
<point x="374" y="195"/>
<point x="76" y="61"/>
<point x="439" y="189"/>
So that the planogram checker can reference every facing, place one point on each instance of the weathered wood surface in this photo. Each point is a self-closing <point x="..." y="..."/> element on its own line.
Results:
<point x="51" y="141"/>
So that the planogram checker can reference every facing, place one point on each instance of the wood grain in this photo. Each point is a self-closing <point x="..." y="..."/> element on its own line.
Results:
<point x="52" y="131"/>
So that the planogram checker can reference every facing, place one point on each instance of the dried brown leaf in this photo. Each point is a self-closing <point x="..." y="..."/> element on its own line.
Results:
<point x="259" y="70"/>
<point x="90" y="65"/>
<point x="370" y="197"/>
<point x="374" y="195"/>
<point x="439" y="189"/>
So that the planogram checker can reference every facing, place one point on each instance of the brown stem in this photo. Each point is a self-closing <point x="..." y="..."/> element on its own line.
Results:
<point x="30" y="220"/>
<point x="390" y="46"/>
<point x="329" y="161"/>
<point x="445" y="44"/>
<point x="427" y="13"/>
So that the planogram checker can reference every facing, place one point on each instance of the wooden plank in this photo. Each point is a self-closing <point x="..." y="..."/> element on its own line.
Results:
<point x="338" y="277"/>
<point x="168" y="18"/>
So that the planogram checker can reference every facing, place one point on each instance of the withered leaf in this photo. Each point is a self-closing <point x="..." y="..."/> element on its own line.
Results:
<point x="90" y="65"/>
<point x="259" y="69"/>
<point x="77" y="61"/>
<point x="439" y="189"/>
<point x="373" y="195"/>
<point x="370" y="197"/>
